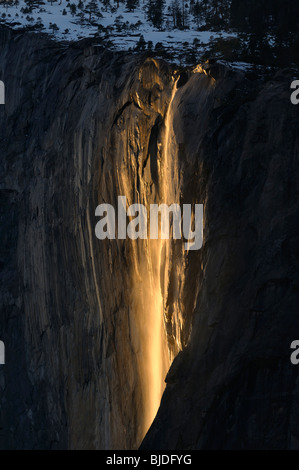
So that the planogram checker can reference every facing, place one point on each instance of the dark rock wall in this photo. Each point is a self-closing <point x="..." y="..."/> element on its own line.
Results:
<point x="63" y="385"/>
<point x="76" y="131"/>
<point x="234" y="386"/>
<point x="80" y="126"/>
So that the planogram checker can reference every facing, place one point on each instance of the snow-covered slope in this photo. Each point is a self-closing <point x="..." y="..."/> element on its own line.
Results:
<point x="110" y="22"/>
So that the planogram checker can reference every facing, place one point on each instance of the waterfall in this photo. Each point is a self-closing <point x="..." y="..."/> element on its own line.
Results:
<point x="172" y="254"/>
<point x="158" y="263"/>
<point x="152" y="264"/>
<point x="155" y="313"/>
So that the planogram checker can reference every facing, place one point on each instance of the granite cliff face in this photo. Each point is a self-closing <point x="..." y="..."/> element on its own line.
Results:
<point x="234" y="386"/>
<point x="91" y="326"/>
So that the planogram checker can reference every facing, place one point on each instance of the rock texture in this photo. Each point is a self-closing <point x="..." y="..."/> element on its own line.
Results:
<point x="233" y="386"/>
<point x="81" y="126"/>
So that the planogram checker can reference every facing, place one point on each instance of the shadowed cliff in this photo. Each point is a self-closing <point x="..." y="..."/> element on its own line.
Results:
<point x="233" y="386"/>
<point x="81" y="126"/>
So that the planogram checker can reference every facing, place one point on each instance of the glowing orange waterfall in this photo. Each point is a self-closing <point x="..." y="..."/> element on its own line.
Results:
<point x="157" y="255"/>
<point x="150" y="278"/>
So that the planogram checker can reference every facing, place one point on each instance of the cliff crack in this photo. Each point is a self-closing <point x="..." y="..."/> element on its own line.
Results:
<point x="121" y="110"/>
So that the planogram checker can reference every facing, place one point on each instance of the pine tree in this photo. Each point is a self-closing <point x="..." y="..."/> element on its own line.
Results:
<point x="197" y="12"/>
<point x="131" y="4"/>
<point x="141" y="44"/>
<point x="54" y="27"/>
<point x="92" y="8"/>
<point x="155" y="12"/>
<point x="176" y="13"/>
